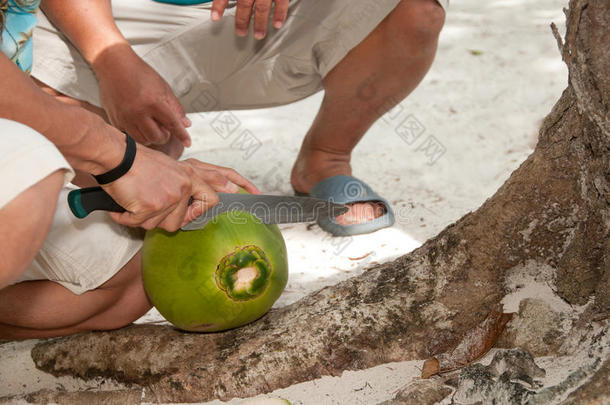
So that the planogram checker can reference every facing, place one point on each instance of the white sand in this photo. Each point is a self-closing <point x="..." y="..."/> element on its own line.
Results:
<point x="497" y="74"/>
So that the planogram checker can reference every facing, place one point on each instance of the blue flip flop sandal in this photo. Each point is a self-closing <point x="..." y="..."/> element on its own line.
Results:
<point x="348" y="190"/>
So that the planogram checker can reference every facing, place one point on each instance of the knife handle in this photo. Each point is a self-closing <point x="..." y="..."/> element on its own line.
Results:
<point x="84" y="201"/>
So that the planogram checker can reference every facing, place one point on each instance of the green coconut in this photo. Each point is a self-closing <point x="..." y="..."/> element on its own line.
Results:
<point x="223" y="276"/>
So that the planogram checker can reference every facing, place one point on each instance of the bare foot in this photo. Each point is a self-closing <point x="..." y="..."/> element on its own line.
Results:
<point x="312" y="167"/>
<point x="361" y="212"/>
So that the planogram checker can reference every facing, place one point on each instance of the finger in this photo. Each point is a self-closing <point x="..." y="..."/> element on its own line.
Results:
<point x="127" y="219"/>
<point x="154" y="222"/>
<point x="155" y="218"/>
<point x="229" y="173"/>
<point x="262" y="10"/>
<point x="243" y="16"/>
<point x="204" y="198"/>
<point x="174" y="219"/>
<point x="218" y="181"/>
<point x="131" y="128"/>
<point x="218" y="9"/>
<point x="240" y="180"/>
<point x="173" y="123"/>
<point x="147" y="220"/>
<point x="195" y="209"/>
<point x="141" y="135"/>
<point x="153" y="132"/>
<point x="280" y="13"/>
<point x="176" y="107"/>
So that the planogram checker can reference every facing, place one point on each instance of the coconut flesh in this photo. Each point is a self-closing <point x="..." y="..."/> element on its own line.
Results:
<point x="244" y="278"/>
<point x="244" y="274"/>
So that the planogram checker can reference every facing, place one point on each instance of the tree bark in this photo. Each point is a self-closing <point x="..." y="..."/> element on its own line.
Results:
<point x="553" y="211"/>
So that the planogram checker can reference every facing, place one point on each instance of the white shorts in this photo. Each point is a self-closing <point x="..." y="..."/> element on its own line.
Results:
<point x="80" y="254"/>
<point x="207" y="65"/>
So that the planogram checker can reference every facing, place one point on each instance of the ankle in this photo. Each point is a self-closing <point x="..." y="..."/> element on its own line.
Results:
<point x="315" y="165"/>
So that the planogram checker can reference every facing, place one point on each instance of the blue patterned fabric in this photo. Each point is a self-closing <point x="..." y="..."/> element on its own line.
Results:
<point x="16" y="41"/>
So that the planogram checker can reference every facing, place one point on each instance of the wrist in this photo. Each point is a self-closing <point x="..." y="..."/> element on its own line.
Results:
<point x="112" y="58"/>
<point x="94" y="146"/>
<point x="122" y="168"/>
<point x="107" y="156"/>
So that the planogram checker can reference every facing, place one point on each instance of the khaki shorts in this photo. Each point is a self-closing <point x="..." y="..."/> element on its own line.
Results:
<point x="78" y="254"/>
<point x="207" y="65"/>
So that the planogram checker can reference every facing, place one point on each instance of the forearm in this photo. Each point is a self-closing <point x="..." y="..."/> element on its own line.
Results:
<point x="87" y="142"/>
<point x="89" y="25"/>
<point x="135" y="97"/>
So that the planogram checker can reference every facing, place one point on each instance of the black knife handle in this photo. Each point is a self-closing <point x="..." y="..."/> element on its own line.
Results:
<point x="84" y="201"/>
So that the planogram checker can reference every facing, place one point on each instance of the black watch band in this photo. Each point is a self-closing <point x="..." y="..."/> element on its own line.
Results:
<point x="123" y="167"/>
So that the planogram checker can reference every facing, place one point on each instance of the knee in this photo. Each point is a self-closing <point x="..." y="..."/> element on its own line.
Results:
<point x="126" y="297"/>
<point x="124" y="312"/>
<point x="420" y="21"/>
<point x="121" y="319"/>
<point x="25" y="222"/>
